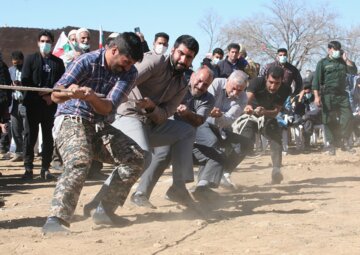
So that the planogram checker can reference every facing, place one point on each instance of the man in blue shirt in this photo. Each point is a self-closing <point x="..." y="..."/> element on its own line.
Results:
<point x="82" y="135"/>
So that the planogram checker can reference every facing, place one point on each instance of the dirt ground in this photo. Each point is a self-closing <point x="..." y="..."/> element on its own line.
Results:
<point x="314" y="211"/>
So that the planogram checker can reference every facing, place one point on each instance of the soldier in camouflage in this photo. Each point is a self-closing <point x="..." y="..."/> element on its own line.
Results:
<point x="82" y="135"/>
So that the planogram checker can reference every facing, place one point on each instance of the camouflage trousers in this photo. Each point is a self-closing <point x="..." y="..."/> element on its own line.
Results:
<point x="78" y="143"/>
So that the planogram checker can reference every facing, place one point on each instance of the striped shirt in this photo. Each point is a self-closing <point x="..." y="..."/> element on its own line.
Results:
<point x="89" y="70"/>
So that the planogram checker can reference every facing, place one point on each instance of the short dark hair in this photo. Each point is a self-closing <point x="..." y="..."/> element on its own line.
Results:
<point x="47" y="33"/>
<point x="233" y="46"/>
<point x="129" y="44"/>
<point x="306" y="84"/>
<point x="334" y="45"/>
<point x="162" y="34"/>
<point x="276" y="72"/>
<point x="189" y="41"/>
<point x="282" y="50"/>
<point x="218" y="51"/>
<point x="17" y="55"/>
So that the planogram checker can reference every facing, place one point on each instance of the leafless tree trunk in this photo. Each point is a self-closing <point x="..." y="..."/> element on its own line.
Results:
<point x="210" y="24"/>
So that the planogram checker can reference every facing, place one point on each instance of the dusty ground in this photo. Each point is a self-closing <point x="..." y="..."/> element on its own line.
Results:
<point x="315" y="211"/>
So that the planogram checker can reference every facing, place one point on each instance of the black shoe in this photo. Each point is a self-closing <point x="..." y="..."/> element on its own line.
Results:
<point x="276" y="178"/>
<point x="55" y="225"/>
<point x="179" y="195"/>
<point x="28" y="175"/>
<point x="200" y="193"/>
<point x="141" y="200"/>
<point x="46" y="175"/>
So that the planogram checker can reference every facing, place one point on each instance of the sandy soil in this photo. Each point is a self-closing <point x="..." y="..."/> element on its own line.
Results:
<point x="314" y="211"/>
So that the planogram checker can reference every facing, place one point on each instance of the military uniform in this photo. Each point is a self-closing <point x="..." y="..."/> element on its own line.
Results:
<point x="330" y="79"/>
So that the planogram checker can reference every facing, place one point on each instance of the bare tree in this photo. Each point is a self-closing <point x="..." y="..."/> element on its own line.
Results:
<point x="210" y="24"/>
<point x="351" y="43"/>
<point x="304" y="31"/>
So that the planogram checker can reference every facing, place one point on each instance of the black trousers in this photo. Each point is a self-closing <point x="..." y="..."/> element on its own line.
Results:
<point x="45" y="117"/>
<point x="272" y="132"/>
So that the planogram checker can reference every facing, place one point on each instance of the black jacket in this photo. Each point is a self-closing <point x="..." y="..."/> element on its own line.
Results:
<point x="5" y="95"/>
<point x="32" y="76"/>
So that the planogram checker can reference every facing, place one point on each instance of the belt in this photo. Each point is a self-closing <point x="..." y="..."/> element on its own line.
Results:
<point x="74" y="118"/>
<point x="78" y="119"/>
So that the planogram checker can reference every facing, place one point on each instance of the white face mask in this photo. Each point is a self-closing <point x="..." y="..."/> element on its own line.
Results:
<point x="84" y="46"/>
<point x="335" y="54"/>
<point x="45" y="47"/>
<point x="215" y="61"/>
<point x="160" y="49"/>
<point x="282" y="59"/>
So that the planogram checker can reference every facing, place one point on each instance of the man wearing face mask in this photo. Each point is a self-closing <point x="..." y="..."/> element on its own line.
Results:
<point x="160" y="88"/>
<point x="41" y="69"/>
<point x="83" y="40"/>
<point x="292" y="76"/>
<point x="307" y="113"/>
<point x="211" y="62"/>
<point x="160" y="44"/>
<point x="329" y="86"/>
<point x="71" y="48"/>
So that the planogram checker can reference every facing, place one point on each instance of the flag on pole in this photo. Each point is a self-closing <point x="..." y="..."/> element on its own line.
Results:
<point x="101" y="38"/>
<point x="59" y="46"/>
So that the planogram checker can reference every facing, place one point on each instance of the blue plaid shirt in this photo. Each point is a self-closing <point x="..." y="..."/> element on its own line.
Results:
<point x="89" y="70"/>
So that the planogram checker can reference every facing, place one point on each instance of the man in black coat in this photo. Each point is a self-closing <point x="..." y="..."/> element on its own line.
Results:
<point x="41" y="69"/>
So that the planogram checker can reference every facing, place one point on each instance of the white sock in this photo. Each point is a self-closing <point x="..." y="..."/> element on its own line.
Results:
<point x="202" y="183"/>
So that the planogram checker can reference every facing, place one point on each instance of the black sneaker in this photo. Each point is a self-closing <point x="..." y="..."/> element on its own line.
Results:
<point x="28" y="175"/>
<point x="141" y="200"/>
<point x="46" y="175"/>
<point x="55" y="225"/>
<point x="179" y="195"/>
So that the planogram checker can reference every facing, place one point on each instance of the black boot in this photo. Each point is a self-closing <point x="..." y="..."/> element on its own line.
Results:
<point x="28" y="175"/>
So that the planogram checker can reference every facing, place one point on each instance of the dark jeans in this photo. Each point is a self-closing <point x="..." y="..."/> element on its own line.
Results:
<point x="45" y="117"/>
<point x="18" y="123"/>
<point x="272" y="132"/>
